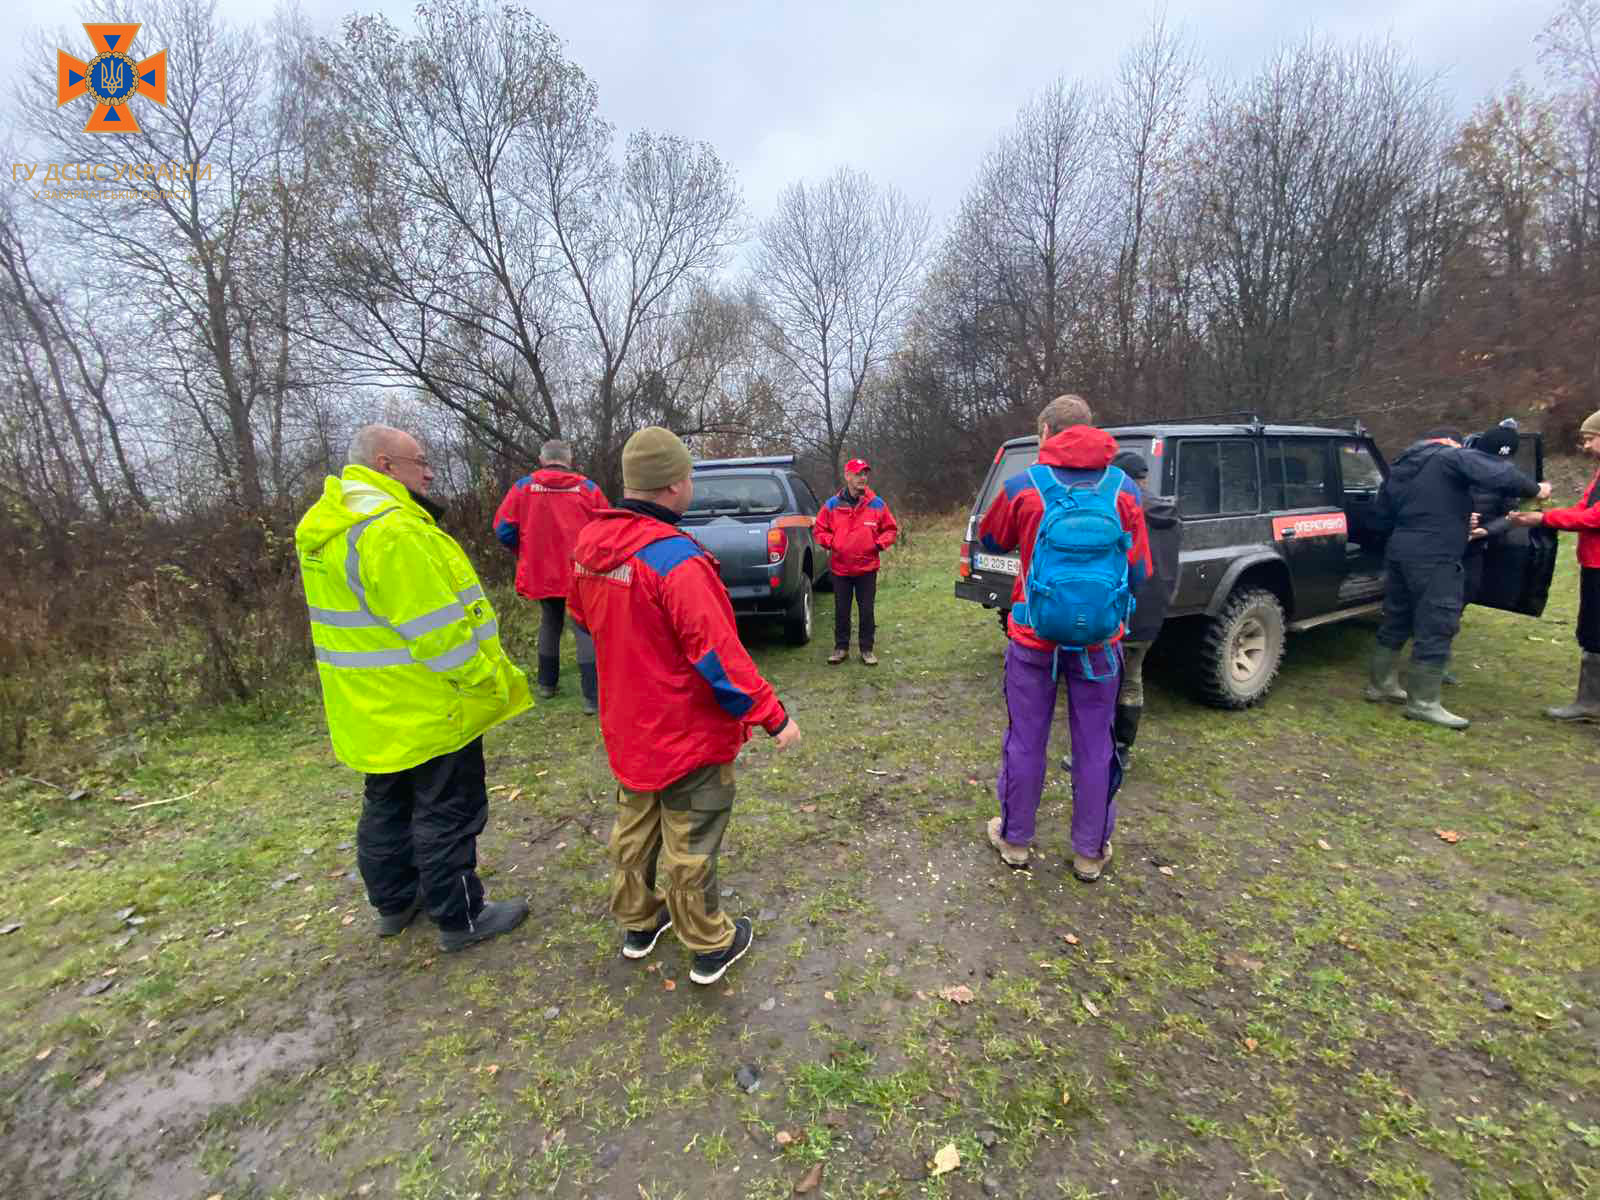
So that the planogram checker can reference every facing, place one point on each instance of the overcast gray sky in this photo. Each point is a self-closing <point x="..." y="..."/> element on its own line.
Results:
<point x="914" y="93"/>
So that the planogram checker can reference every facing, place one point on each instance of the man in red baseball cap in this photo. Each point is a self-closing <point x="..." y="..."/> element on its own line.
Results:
<point x="856" y="526"/>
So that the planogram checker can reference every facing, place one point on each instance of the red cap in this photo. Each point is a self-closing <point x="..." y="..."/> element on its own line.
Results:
<point x="857" y="466"/>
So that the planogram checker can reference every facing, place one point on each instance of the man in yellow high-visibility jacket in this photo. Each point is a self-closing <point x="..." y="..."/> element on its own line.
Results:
<point x="408" y="652"/>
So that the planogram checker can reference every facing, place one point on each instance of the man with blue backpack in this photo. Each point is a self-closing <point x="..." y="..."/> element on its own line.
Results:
<point x="1079" y="526"/>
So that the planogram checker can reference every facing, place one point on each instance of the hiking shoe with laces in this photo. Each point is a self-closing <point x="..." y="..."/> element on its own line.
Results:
<point x="637" y="943"/>
<point x="390" y="924"/>
<point x="1014" y="856"/>
<point x="837" y="657"/>
<point x="868" y="657"/>
<point x="495" y="918"/>
<point x="708" y="968"/>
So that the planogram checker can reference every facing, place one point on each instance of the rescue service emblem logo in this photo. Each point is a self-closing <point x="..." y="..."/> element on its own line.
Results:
<point x="112" y="78"/>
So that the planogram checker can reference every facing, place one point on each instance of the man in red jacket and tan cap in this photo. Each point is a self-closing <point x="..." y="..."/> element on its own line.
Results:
<point x="856" y="526"/>
<point x="679" y="697"/>
<point x="539" y="521"/>
<point x="1582" y="518"/>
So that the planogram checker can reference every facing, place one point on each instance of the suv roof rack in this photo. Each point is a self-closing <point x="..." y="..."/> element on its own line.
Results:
<point x="773" y="460"/>
<point x="1241" y="416"/>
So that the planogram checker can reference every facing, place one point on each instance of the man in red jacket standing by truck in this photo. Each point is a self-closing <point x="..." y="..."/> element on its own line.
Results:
<point x="679" y="697"/>
<point x="1584" y="519"/>
<point x="856" y="526"/>
<point x="539" y="521"/>
<point x="1077" y="453"/>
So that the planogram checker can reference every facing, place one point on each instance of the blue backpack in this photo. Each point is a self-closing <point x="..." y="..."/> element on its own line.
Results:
<point x="1077" y="592"/>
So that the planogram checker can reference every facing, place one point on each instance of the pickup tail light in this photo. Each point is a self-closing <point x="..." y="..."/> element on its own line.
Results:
<point x="965" y="569"/>
<point x="777" y="545"/>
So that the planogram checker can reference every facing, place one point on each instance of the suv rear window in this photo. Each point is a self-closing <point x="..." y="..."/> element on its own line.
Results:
<point x="1016" y="459"/>
<point x="1013" y="461"/>
<point x="736" y="495"/>
<point x="1219" y="478"/>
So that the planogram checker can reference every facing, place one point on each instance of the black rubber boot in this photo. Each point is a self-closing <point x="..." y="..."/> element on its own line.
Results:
<point x="549" y="675"/>
<point x="1125" y="726"/>
<point x="589" y="684"/>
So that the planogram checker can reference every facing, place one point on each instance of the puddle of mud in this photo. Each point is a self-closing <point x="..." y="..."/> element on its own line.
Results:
<point x="139" y="1106"/>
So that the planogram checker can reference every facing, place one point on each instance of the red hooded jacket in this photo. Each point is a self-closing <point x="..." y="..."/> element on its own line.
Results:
<point x="1584" y="519"/>
<point x="539" y="519"/>
<point x="677" y="688"/>
<point x="1078" y="453"/>
<point x="855" y="531"/>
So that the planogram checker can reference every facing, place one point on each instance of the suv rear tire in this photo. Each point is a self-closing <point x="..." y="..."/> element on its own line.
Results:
<point x="798" y="622"/>
<point x="1241" y="649"/>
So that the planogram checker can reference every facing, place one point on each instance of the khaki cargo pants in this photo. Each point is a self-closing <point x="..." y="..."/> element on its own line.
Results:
<point x="664" y="849"/>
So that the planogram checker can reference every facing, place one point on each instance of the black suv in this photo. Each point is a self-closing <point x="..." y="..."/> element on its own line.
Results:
<point x="755" y="515"/>
<point x="1279" y="536"/>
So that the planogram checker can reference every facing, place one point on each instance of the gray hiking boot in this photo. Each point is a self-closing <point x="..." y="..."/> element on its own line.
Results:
<point x="495" y="918"/>
<point x="1587" y="706"/>
<point x="393" y="924"/>
<point x="1423" y="701"/>
<point x="1383" y="682"/>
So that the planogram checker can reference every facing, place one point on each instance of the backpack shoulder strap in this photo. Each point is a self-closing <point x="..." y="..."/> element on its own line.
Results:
<point x="1111" y="482"/>
<point x="1044" y="479"/>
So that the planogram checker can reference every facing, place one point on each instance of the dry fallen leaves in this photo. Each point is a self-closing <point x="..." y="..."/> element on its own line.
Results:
<point x="1089" y="1006"/>
<point x="44" y="1054"/>
<point x="669" y="984"/>
<point x="827" y="995"/>
<point x="1250" y="1043"/>
<point x="1322" y="844"/>
<point x="785" y="1138"/>
<point x="1166" y="870"/>
<point x="946" y="1160"/>
<point x="959" y="994"/>
<point x="808" y="808"/>
<point x="1448" y="835"/>
<point x="809" y="1182"/>
<point x="1070" y="938"/>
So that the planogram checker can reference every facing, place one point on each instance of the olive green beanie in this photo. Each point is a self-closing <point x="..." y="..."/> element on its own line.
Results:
<point x="1591" y="423"/>
<point x="654" y="458"/>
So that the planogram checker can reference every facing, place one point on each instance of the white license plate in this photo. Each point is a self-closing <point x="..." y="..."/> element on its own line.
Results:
<point x="997" y="562"/>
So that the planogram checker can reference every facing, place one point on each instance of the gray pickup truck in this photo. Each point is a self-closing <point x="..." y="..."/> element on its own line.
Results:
<point x="756" y="516"/>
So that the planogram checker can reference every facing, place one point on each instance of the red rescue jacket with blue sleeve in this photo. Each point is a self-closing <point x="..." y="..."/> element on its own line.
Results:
<point x="678" y="690"/>
<point x="855" y="531"/>
<point x="1078" y="454"/>
<point x="1583" y="519"/>
<point x="539" y="520"/>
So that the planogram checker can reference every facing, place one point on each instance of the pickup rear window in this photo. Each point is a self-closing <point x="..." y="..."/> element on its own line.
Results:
<point x="736" y="495"/>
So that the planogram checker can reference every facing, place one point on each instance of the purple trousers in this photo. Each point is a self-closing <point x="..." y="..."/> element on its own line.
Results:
<point x="1030" y="709"/>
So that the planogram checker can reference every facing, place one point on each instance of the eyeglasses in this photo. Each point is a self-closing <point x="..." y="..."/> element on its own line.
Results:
<point x="421" y="462"/>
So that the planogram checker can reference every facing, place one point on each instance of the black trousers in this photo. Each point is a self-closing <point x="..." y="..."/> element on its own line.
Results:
<point x="1589" y="609"/>
<point x="1472" y="573"/>
<point x="419" y="832"/>
<point x="552" y="620"/>
<point x="864" y="588"/>
<point x="1422" y="601"/>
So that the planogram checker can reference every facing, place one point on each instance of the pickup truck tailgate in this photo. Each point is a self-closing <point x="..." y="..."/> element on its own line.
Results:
<point x="740" y="546"/>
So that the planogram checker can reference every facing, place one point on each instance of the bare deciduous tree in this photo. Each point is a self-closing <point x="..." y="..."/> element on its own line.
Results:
<point x="837" y="269"/>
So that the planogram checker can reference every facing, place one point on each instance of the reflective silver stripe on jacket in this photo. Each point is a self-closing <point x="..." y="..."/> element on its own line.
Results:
<point x="439" y="663"/>
<point x="416" y="627"/>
